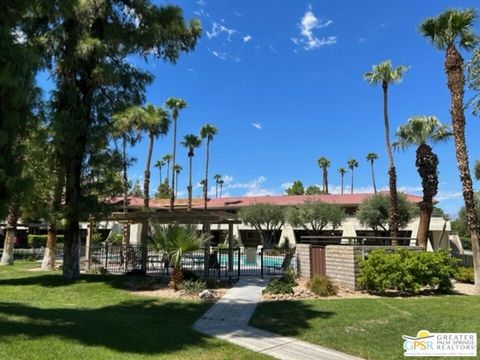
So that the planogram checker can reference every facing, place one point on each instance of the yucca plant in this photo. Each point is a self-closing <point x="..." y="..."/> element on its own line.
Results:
<point x="176" y="241"/>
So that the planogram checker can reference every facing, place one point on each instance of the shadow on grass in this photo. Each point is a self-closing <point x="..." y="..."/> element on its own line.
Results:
<point x="289" y="318"/>
<point x="140" y="326"/>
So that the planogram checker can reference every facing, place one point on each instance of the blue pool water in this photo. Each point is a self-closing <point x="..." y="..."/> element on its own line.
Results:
<point x="267" y="261"/>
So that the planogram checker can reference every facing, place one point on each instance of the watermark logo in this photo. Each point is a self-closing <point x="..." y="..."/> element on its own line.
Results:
<point x="440" y="344"/>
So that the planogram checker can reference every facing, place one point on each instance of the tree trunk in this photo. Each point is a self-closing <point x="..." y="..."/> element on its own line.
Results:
<point x="427" y="163"/>
<point x="221" y="190"/>
<point x="326" y="180"/>
<point x="146" y="180"/>
<point x="189" y="188"/>
<point x="351" y="189"/>
<point x="392" y="181"/>
<point x="10" y="232"/>
<point x="168" y="173"/>
<point x="176" y="185"/>
<point x="125" y="175"/>
<point x="48" y="262"/>
<point x="373" y="178"/>
<point x="456" y="83"/>
<point x="205" y="190"/>
<point x="172" y="190"/>
<point x="342" y="184"/>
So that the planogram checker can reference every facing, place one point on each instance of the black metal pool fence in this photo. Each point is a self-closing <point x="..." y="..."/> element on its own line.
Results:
<point x="214" y="263"/>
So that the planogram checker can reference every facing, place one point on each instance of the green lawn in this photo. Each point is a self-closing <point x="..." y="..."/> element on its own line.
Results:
<point x="44" y="317"/>
<point x="370" y="328"/>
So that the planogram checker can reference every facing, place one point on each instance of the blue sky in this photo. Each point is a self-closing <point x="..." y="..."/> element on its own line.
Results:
<point x="282" y="81"/>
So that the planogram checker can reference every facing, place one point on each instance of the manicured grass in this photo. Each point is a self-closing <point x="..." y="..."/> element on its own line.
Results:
<point x="44" y="317"/>
<point x="370" y="328"/>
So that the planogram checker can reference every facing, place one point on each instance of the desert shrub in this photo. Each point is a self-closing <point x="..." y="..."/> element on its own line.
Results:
<point x="322" y="286"/>
<point x="282" y="285"/>
<point x="407" y="271"/>
<point x="193" y="286"/>
<point x="465" y="275"/>
<point x="144" y="284"/>
<point x="37" y="241"/>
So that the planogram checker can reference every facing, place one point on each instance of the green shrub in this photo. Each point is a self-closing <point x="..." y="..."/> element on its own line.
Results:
<point x="37" y="241"/>
<point x="322" y="286"/>
<point x="465" y="275"/>
<point x="407" y="271"/>
<point x="193" y="286"/>
<point x="282" y="285"/>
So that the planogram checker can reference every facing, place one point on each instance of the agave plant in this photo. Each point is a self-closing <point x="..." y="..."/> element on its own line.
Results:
<point x="176" y="241"/>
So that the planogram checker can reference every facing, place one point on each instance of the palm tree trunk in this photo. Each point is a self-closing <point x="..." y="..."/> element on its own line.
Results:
<point x="205" y="190"/>
<point x="342" y="184"/>
<point x="160" y="173"/>
<point x="172" y="191"/>
<point x="168" y="172"/>
<point x="189" y="188"/>
<point x="351" y="189"/>
<point x="426" y="163"/>
<point x="11" y="232"/>
<point x="216" y="189"/>
<point x="146" y="180"/>
<point x="48" y="262"/>
<point x="125" y="176"/>
<point x="221" y="190"/>
<point x="373" y="178"/>
<point x="393" y="221"/>
<point x="176" y="180"/>
<point x="323" y="181"/>
<point x="326" y="180"/>
<point x="456" y="83"/>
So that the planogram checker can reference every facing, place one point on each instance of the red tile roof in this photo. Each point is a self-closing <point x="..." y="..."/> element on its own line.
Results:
<point x="288" y="200"/>
<point x="242" y="201"/>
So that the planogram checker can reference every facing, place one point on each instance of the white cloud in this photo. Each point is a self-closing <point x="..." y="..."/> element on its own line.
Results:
<point x="257" y="125"/>
<point x="251" y="188"/>
<point x="201" y="3"/>
<point x="219" y="54"/>
<point x="247" y="38"/>
<point x="218" y="29"/>
<point x="307" y="39"/>
<point x="448" y="195"/>
<point x="286" y="185"/>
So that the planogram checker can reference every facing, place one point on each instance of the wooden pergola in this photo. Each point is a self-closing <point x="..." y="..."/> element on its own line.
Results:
<point x="181" y="217"/>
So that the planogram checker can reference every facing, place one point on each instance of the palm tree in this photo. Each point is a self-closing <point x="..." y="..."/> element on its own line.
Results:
<point x="221" y="182"/>
<point x="342" y="172"/>
<point x="207" y="132"/>
<point x="371" y="157"/>
<point x="217" y="178"/>
<point x="447" y="31"/>
<point x="176" y="241"/>
<point x="175" y="105"/>
<point x="384" y="74"/>
<point x="177" y="169"/>
<point x="167" y="158"/>
<point x="424" y="131"/>
<point x="324" y="164"/>
<point x="125" y="127"/>
<point x="155" y="122"/>
<point x="159" y="164"/>
<point x="191" y="142"/>
<point x="352" y="164"/>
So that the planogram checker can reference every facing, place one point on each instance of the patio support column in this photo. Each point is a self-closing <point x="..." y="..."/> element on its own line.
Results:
<point x="230" y="247"/>
<point x="88" y="244"/>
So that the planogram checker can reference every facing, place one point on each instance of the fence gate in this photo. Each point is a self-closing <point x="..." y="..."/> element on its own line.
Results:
<point x="317" y="260"/>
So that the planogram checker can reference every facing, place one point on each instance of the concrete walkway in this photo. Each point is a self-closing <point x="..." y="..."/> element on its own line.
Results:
<point x="228" y="320"/>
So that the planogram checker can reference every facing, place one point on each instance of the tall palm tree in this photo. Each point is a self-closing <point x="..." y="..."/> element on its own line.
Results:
<point x="191" y="142"/>
<point x="177" y="169"/>
<point x="168" y="158"/>
<point x="155" y="122"/>
<point x="221" y="182"/>
<point x="352" y="164"/>
<point x="385" y="74"/>
<point x="217" y="179"/>
<point x="159" y="164"/>
<point x="447" y="31"/>
<point x="371" y="157"/>
<point x="342" y="172"/>
<point x="175" y="105"/>
<point x="324" y="164"/>
<point x="422" y="132"/>
<point x="207" y="132"/>
<point x="125" y="127"/>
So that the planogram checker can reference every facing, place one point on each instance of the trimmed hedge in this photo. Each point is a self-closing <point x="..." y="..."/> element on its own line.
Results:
<point x="407" y="271"/>
<point x="37" y="241"/>
<point x="465" y="275"/>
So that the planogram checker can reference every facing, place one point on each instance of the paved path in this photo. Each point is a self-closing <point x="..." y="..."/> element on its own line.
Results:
<point x="228" y="320"/>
